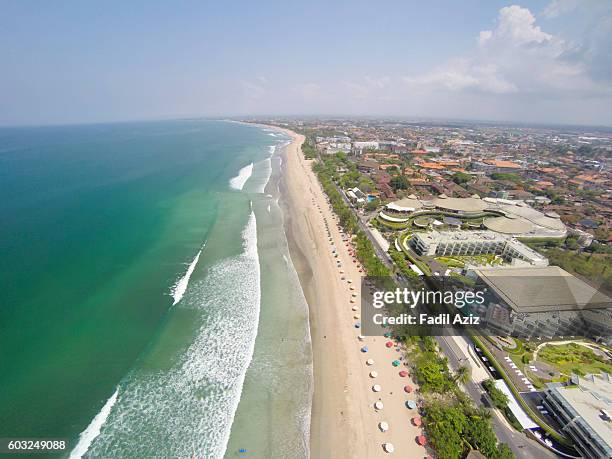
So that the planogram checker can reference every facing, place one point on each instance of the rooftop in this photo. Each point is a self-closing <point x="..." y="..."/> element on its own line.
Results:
<point x="508" y="225"/>
<point x="542" y="289"/>
<point x="592" y="395"/>
<point x="460" y="204"/>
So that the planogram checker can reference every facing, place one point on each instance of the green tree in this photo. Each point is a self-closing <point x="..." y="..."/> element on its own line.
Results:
<point x="461" y="177"/>
<point x="463" y="374"/>
<point x="399" y="182"/>
<point x="445" y="425"/>
<point x="372" y="205"/>
<point x="499" y="399"/>
<point x="479" y="433"/>
<point x="503" y="452"/>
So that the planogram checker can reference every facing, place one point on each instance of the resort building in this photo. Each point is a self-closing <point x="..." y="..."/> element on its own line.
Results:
<point x="536" y="301"/>
<point x="505" y="216"/>
<point x="584" y="411"/>
<point x="356" y="195"/>
<point x="470" y="243"/>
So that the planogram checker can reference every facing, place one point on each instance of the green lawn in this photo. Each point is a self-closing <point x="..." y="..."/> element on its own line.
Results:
<point x="393" y="225"/>
<point x="459" y="261"/>
<point x="574" y="358"/>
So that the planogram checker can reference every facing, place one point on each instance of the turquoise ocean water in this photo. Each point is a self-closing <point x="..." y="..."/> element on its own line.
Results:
<point x="149" y="307"/>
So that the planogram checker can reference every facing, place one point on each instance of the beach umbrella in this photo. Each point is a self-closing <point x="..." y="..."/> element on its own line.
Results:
<point x="389" y="344"/>
<point x="407" y="389"/>
<point x="388" y="447"/>
<point x="395" y="363"/>
<point x="411" y="404"/>
<point x="342" y="271"/>
<point x="356" y="316"/>
<point x="422" y="440"/>
<point x="403" y="373"/>
<point x="352" y="288"/>
<point x="364" y="349"/>
<point x="379" y="405"/>
<point x="417" y="421"/>
<point x="383" y="426"/>
<point x="376" y="388"/>
<point x="360" y="337"/>
<point x="370" y="362"/>
<point x="357" y="325"/>
<point x="349" y="281"/>
<point x="373" y="374"/>
<point x="354" y="308"/>
<point x="352" y="300"/>
<point x="353" y="295"/>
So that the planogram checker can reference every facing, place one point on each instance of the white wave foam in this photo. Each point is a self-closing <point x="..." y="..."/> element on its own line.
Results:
<point x="180" y="287"/>
<point x="272" y="134"/>
<point x="272" y="149"/>
<point x="93" y="429"/>
<point x="188" y="409"/>
<point x="238" y="182"/>
<point x="268" y="174"/>
<point x="268" y="208"/>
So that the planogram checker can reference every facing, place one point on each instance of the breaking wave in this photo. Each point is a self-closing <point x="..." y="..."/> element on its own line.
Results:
<point x="187" y="410"/>
<point x="237" y="183"/>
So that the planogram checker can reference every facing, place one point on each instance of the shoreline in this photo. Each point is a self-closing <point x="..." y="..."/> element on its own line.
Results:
<point x="344" y="422"/>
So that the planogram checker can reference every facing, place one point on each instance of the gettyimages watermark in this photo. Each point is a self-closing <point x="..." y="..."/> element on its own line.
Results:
<point x="535" y="307"/>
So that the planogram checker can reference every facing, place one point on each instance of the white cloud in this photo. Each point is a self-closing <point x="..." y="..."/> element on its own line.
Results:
<point x="462" y="74"/>
<point x="517" y="24"/>
<point x="483" y="36"/>
<point x="516" y="56"/>
<point x="559" y="7"/>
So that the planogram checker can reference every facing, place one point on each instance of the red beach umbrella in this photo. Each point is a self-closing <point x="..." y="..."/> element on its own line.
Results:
<point x="417" y="421"/>
<point x="421" y="440"/>
<point x="408" y="389"/>
<point x="389" y="344"/>
<point x="403" y="373"/>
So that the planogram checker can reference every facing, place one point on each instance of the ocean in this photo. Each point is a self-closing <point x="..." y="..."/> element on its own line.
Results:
<point x="149" y="306"/>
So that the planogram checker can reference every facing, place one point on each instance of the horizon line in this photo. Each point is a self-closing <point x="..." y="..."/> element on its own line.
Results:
<point x="508" y="123"/>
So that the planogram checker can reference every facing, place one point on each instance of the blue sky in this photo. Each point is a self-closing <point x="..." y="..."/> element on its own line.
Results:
<point x="541" y="61"/>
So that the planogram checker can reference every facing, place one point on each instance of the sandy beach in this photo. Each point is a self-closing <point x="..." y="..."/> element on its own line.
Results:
<point x="344" y="421"/>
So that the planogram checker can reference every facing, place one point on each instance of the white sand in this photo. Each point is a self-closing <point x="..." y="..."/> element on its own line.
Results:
<point x="344" y="421"/>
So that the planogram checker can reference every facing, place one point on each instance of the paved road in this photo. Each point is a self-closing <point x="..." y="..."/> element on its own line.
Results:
<point x="521" y="445"/>
<point x="384" y="256"/>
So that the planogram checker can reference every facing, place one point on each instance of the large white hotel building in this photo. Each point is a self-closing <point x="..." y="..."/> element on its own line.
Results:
<point x="469" y="243"/>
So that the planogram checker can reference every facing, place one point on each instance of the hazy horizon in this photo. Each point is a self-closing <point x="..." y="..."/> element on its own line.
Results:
<point x="529" y="62"/>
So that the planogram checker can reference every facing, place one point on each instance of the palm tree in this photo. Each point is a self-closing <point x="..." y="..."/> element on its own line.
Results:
<point x="463" y="374"/>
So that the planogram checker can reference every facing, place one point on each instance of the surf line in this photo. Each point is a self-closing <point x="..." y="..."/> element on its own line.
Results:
<point x="181" y="286"/>
<point x="93" y="429"/>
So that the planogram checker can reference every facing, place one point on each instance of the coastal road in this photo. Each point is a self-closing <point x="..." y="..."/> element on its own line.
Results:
<point x="521" y="445"/>
<point x="384" y="256"/>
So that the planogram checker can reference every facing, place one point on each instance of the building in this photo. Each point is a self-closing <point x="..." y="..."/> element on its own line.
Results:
<point x="358" y="147"/>
<point x="541" y="301"/>
<point x="583" y="409"/>
<point x="356" y="195"/>
<point x="512" y="217"/>
<point x="471" y="243"/>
